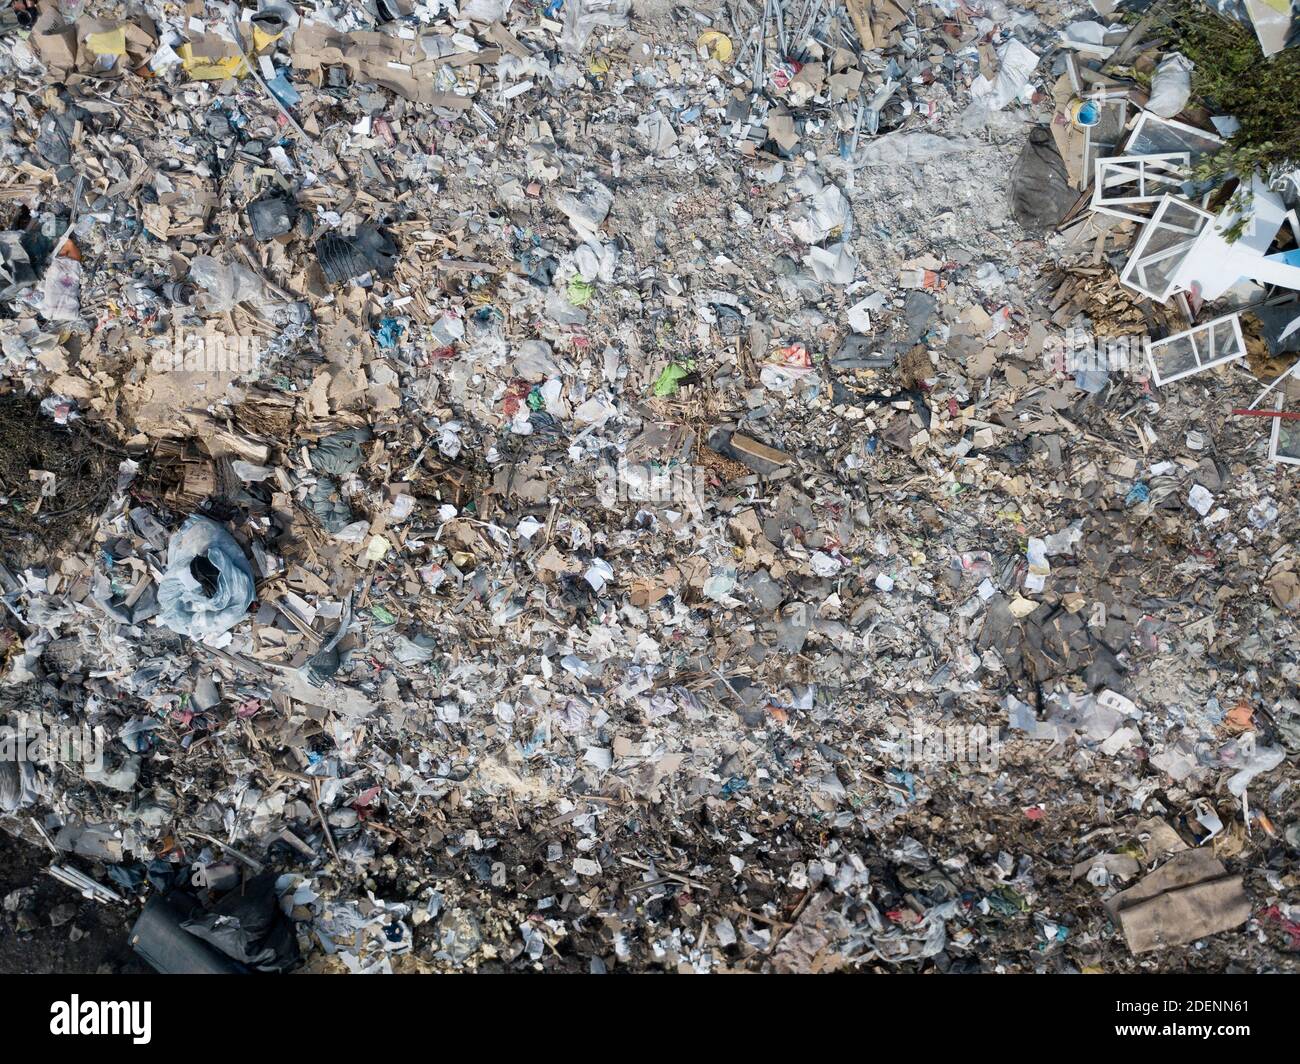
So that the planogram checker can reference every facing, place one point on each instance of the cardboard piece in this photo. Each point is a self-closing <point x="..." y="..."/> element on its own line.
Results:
<point x="407" y="67"/>
<point x="93" y="48"/>
<point x="875" y="20"/>
<point x="1187" y="898"/>
<point x="1071" y="142"/>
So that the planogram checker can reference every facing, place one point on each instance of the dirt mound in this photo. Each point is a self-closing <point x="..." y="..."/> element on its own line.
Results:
<point x="53" y="478"/>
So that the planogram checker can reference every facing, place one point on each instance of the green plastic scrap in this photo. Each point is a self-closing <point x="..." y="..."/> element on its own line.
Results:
<point x="1007" y="902"/>
<point x="670" y="378"/>
<point x="339" y="455"/>
<point x="580" y="291"/>
<point x="326" y="501"/>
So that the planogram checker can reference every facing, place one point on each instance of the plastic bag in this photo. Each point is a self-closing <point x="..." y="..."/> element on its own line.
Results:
<point x="1017" y="66"/>
<point x="62" y="291"/>
<point x="583" y="17"/>
<point x="326" y="501"/>
<point x="225" y="286"/>
<point x="370" y="250"/>
<point x="485" y="10"/>
<point x="340" y="454"/>
<point x="910" y="149"/>
<point x="1171" y="86"/>
<point x="248" y="926"/>
<point x="158" y="938"/>
<point x="1250" y="760"/>
<point x="824" y="211"/>
<point x="208" y="585"/>
<point x="1040" y="187"/>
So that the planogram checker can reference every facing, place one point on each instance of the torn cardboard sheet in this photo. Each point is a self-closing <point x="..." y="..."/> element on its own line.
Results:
<point x="408" y="67"/>
<point x="93" y="48"/>
<point x="1188" y="898"/>
<point x="875" y="20"/>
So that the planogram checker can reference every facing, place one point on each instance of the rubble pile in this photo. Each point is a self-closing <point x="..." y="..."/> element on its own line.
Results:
<point x="583" y="485"/>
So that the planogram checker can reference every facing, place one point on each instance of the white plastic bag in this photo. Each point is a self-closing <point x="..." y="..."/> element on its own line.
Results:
<point x="1171" y="86"/>
<point x="1016" y="66"/>
<point x="226" y="285"/>
<point x="185" y="605"/>
<point x="62" y="291"/>
<point x="582" y="18"/>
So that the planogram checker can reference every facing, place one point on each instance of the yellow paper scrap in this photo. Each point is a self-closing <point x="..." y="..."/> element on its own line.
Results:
<point x="110" y="42"/>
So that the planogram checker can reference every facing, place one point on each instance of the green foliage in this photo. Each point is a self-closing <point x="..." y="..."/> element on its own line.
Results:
<point x="1232" y="77"/>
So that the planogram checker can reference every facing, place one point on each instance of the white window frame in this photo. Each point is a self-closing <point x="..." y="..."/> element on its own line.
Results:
<point x="1156" y="176"/>
<point x="1274" y="437"/>
<point x="1104" y="99"/>
<point x="1146" y="116"/>
<point x="1153" y="226"/>
<point x="1214" y="359"/>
